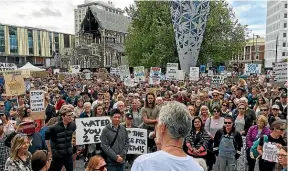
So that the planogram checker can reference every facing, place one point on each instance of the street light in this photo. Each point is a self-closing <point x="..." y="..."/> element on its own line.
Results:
<point x="252" y="57"/>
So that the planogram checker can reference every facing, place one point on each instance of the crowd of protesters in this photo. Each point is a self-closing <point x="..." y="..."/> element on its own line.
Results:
<point x="220" y="117"/>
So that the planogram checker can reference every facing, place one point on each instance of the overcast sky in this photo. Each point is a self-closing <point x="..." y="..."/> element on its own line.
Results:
<point x="58" y="15"/>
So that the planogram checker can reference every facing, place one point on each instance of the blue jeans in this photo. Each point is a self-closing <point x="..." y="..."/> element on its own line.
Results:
<point x="58" y="163"/>
<point x="115" y="167"/>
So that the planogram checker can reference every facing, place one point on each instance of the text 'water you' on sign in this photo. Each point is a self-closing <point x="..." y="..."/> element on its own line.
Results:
<point x="137" y="140"/>
<point x="218" y="79"/>
<point x="89" y="129"/>
<point x="270" y="152"/>
<point x="37" y="104"/>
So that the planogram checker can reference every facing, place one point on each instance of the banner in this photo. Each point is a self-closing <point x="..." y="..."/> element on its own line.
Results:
<point x="139" y="73"/>
<point x="270" y="152"/>
<point x="210" y="73"/>
<point x="280" y="72"/>
<point x="202" y="68"/>
<point x="194" y="73"/>
<point x="39" y="74"/>
<point x="7" y="67"/>
<point x="252" y="69"/>
<point x="129" y="82"/>
<point x="137" y="140"/>
<point x="124" y="72"/>
<point x="218" y="79"/>
<point x="89" y="129"/>
<point x="155" y="75"/>
<point x="171" y="71"/>
<point x="14" y="84"/>
<point x="37" y="104"/>
<point x="180" y="75"/>
<point x="75" y="69"/>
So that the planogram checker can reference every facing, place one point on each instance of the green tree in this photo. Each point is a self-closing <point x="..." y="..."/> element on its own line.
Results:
<point x="151" y="40"/>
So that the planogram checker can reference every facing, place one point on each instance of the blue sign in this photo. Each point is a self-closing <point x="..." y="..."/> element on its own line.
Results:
<point x="202" y="68"/>
<point x="1" y="81"/>
<point x="221" y="68"/>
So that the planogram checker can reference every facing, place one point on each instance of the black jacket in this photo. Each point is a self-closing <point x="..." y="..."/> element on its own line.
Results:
<point x="50" y="112"/>
<point x="61" y="139"/>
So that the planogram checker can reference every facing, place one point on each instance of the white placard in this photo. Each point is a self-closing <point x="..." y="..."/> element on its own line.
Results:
<point x="56" y="71"/>
<point x="114" y="71"/>
<point x="137" y="140"/>
<point x="171" y="71"/>
<point x="88" y="76"/>
<point x="218" y="79"/>
<point x="7" y="66"/>
<point x="89" y="129"/>
<point x="155" y="75"/>
<point x="280" y="72"/>
<point x="37" y="101"/>
<point x="270" y="152"/>
<point x="180" y="75"/>
<point x="210" y="73"/>
<point x="252" y="69"/>
<point x="124" y="72"/>
<point x="129" y="82"/>
<point x="139" y="73"/>
<point x="75" y="69"/>
<point x="194" y="73"/>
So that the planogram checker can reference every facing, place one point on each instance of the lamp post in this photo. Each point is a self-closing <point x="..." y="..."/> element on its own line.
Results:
<point x="277" y="37"/>
<point x="252" y="57"/>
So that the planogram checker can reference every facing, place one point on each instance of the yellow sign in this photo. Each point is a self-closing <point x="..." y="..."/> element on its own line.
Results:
<point x="14" y="84"/>
<point x="61" y="76"/>
<point x="25" y="74"/>
<point x="39" y="74"/>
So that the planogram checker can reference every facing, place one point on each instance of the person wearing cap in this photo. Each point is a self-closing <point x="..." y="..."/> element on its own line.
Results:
<point x="276" y="114"/>
<point x="215" y="101"/>
<point x="60" y="135"/>
<point x="283" y="105"/>
<point x="71" y="99"/>
<point x="116" y="153"/>
<point x="128" y="121"/>
<point x="4" y="150"/>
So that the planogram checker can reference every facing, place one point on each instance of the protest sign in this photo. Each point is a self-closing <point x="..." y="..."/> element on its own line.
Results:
<point x="218" y="79"/>
<point x="194" y="73"/>
<point x="124" y="72"/>
<point x="180" y="75"/>
<point x="14" y="84"/>
<point x="137" y="140"/>
<point x="25" y="74"/>
<point x="270" y="152"/>
<point x="37" y="104"/>
<point x="171" y="71"/>
<point x="7" y="67"/>
<point x="56" y="71"/>
<point x="280" y="72"/>
<point x="89" y="129"/>
<point x="202" y="68"/>
<point x="252" y="69"/>
<point x="139" y="73"/>
<point x="27" y="85"/>
<point x="155" y="75"/>
<point x="210" y="73"/>
<point x="114" y="71"/>
<point x="75" y="69"/>
<point x="129" y="82"/>
<point x="88" y="76"/>
<point x="39" y="74"/>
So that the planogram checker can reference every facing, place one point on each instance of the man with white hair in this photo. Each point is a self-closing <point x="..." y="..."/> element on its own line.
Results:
<point x="174" y="123"/>
<point x="159" y="101"/>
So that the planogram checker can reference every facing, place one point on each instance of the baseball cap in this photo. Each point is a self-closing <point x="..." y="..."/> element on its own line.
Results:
<point x="284" y="95"/>
<point x="129" y="116"/>
<point x="275" y="107"/>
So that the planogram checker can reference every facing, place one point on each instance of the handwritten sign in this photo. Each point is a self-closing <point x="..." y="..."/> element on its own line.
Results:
<point x="14" y="84"/>
<point x="114" y="71"/>
<point x="194" y="73"/>
<point x="155" y="75"/>
<point x="210" y="73"/>
<point x="124" y="72"/>
<point x="139" y="73"/>
<point x="129" y="82"/>
<point x="180" y="75"/>
<point x="56" y="71"/>
<point x="171" y="71"/>
<point x="89" y="129"/>
<point x="39" y="74"/>
<point x="137" y="140"/>
<point x="88" y="76"/>
<point x="270" y="152"/>
<point x="75" y="69"/>
<point x="218" y="79"/>
<point x="7" y="66"/>
<point x="280" y="72"/>
<point x="37" y="104"/>
<point x="252" y="69"/>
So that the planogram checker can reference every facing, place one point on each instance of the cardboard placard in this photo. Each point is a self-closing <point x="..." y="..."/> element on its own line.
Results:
<point x="139" y="73"/>
<point x="171" y="71"/>
<point x="270" y="152"/>
<point x="194" y="73"/>
<point x="14" y="84"/>
<point x="37" y="104"/>
<point x="39" y="74"/>
<point x="137" y="140"/>
<point x="89" y="129"/>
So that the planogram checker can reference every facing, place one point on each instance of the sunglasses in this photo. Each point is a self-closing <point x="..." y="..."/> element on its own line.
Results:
<point x="216" y="111"/>
<point x="228" y="123"/>
<point x="224" y="105"/>
<point x="281" y="129"/>
<point x="264" y="110"/>
<point x="241" y="108"/>
<point x="102" y="168"/>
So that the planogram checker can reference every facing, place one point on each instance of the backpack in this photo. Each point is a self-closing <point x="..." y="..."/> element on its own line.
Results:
<point x="253" y="151"/>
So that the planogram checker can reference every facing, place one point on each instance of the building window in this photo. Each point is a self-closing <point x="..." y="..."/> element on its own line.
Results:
<point x="39" y="41"/>
<point x="284" y="44"/>
<point x="285" y="15"/>
<point x="51" y="44"/>
<point x="56" y="37"/>
<point x="286" y="5"/>
<point x="285" y="25"/>
<point x="283" y="53"/>
<point x="30" y="42"/>
<point x="13" y="40"/>
<point x="2" y="39"/>
<point x="66" y="41"/>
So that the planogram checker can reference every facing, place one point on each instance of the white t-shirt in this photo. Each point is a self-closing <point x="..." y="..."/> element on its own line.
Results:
<point x="163" y="161"/>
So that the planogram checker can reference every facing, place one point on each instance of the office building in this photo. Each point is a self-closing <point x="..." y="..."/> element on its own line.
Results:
<point x="27" y="44"/>
<point x="276" y="32"/>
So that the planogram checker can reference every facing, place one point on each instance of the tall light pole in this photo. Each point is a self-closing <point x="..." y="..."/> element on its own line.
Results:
<point x="277" y="37"/>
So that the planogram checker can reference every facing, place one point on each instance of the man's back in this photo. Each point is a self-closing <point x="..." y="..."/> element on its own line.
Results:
<point x="162" y="161"/>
